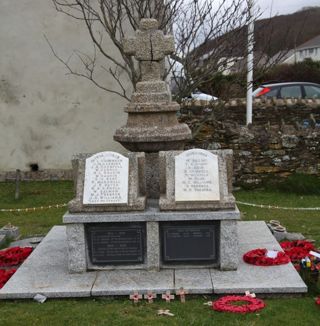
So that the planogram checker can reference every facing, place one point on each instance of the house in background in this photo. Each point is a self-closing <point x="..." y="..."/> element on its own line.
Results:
<point x="307" y="50"/>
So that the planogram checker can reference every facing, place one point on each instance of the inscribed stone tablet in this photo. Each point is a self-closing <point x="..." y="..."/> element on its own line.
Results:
<point x="196" y="176"/>
<point x="106" y="179"/>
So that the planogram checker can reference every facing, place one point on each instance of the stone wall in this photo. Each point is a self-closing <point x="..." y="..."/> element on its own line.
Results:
<point x="284" y="137"/>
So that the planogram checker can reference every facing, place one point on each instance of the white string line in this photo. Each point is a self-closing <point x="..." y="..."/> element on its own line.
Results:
<point x="30" y="209"/>
<point x="279" y="207"/>
<point x="238" y="202"/>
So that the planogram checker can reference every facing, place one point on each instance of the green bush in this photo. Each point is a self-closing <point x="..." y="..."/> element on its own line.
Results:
<point x="306" y="71"/>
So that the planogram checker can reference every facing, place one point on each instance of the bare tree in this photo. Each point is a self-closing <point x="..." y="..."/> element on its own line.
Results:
<point x="194" y="24"/>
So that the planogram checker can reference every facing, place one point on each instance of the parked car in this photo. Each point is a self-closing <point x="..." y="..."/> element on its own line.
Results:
<point x="288" y="90"/>
<point x="202" y="107"/>
<point x="202" y="96"/>
<point x="197" y="95"/>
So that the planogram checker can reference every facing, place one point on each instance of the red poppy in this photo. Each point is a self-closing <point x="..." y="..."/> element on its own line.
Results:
<point x="5" y="276"/>
<point x="227" y="304"/>
<point x="14" y="256"/>
<point x="318" y="301"/>
<point x="298" y="249"/>
<point x="259" y="257"/>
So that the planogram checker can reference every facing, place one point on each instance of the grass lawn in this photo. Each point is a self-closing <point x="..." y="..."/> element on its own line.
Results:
<point x="106" y="311"/>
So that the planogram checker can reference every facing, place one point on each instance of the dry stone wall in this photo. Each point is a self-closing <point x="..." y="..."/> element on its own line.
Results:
<point x="284" y="138"/>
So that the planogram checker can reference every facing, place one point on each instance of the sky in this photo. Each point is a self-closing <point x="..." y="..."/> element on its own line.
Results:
<point x="279" y="7"/>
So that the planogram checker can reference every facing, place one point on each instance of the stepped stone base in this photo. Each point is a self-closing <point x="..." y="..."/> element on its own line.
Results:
<point x="46" y="272"/>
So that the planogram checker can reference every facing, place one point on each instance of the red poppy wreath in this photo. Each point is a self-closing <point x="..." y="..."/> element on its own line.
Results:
<point x="318" y="301"/>
<point x="5" y="276"/>
<point x="232" y="303"/>
<point x="298" y="249"/>
<point x="264" y="257"/>
<point x="14" y="256"/>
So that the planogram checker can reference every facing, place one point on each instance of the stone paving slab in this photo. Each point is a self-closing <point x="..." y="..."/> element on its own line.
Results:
<point x="196" y="281"/>
<point x="126" y="282"/>
<point x="254" y="232"/>
<point x="258" y="279"/>
<point x="45" y="272"/>
<point x="269" y="279"/>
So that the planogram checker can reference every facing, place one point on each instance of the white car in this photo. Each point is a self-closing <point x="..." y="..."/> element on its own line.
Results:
<point x="202" y="96"/>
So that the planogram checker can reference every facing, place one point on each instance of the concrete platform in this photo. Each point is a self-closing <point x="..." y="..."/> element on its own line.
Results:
<point x="45" y="271"/>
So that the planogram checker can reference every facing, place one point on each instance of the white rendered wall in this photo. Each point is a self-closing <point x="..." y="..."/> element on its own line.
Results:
<point x="312" y="53"/>
<point x="47" y="116"/>
<point x="300" y="55"/>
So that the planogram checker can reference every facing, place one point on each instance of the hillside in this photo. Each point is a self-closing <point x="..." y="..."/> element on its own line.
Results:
<point x="271" y="35"/>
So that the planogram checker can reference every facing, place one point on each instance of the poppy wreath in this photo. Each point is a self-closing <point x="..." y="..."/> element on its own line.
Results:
<point x="259" y="257"/>
<point x="5" y="276"/>
<point x="14" y="256"/>
<point x="318" y="301"/>
<point x="297" y="249"/>
<point x="227" y="304"/>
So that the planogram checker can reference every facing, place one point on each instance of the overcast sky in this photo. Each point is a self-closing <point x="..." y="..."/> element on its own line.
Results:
<point x="278" y="7"/>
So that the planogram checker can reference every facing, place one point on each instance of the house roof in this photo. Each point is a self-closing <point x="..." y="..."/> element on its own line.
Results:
<point x="313" y="43"/>
<point x="281" y="56"/>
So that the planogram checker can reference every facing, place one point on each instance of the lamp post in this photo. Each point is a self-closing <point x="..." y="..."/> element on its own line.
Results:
<point x="250" y="4"/>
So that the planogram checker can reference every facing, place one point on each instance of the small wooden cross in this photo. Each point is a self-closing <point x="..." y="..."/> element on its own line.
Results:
<point x="182" y="293"/>
<point x="209" y="303"/>
<point x="150" y="296"/>
<point x="165" y="312"/>
<point x="167" y="296"/>
<point x="135" y="297"/>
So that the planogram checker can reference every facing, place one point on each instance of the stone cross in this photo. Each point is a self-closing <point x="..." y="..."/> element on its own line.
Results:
<point x="167" y="296"/>
<point x="150" y="296"/>
<point x="149" y="47"/>
<point x="135" y="297"/>
<point x="182" y="293"/>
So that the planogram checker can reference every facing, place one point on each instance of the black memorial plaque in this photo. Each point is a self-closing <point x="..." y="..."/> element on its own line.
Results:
<point x="189" y="242"/>
<point x="116" y="243"/>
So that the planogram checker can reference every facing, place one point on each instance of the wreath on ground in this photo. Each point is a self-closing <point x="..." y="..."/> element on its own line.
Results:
<point x="14" y="256"/>
<point x="264" y="257"/>
<point x="5" y="276"/>
<point x="297" y="249"/>
<point x="238" y="304"/>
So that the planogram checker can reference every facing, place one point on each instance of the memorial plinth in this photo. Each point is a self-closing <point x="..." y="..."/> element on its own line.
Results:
<point x="215" y="229"/>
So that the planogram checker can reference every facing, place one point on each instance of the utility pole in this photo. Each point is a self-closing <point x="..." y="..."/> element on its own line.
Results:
<point x="250" y="4"/>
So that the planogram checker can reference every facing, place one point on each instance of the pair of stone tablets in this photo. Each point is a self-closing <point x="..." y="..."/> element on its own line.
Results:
<point x="106" y="179"/>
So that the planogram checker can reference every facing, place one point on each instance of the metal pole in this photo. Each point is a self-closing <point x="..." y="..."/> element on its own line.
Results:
<point x="18" y="178"/>
<point x="250" y="60"/>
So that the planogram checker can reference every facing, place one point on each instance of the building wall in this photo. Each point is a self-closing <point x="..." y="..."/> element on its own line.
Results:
<point x="300" y="55"/>
<point x="46" y="116"/>
<point x="309" y="53"/>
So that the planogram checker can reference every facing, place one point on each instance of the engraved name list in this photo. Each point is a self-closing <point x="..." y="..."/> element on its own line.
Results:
<point x="196" y="176"/>
<point x="106" y="179"/>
